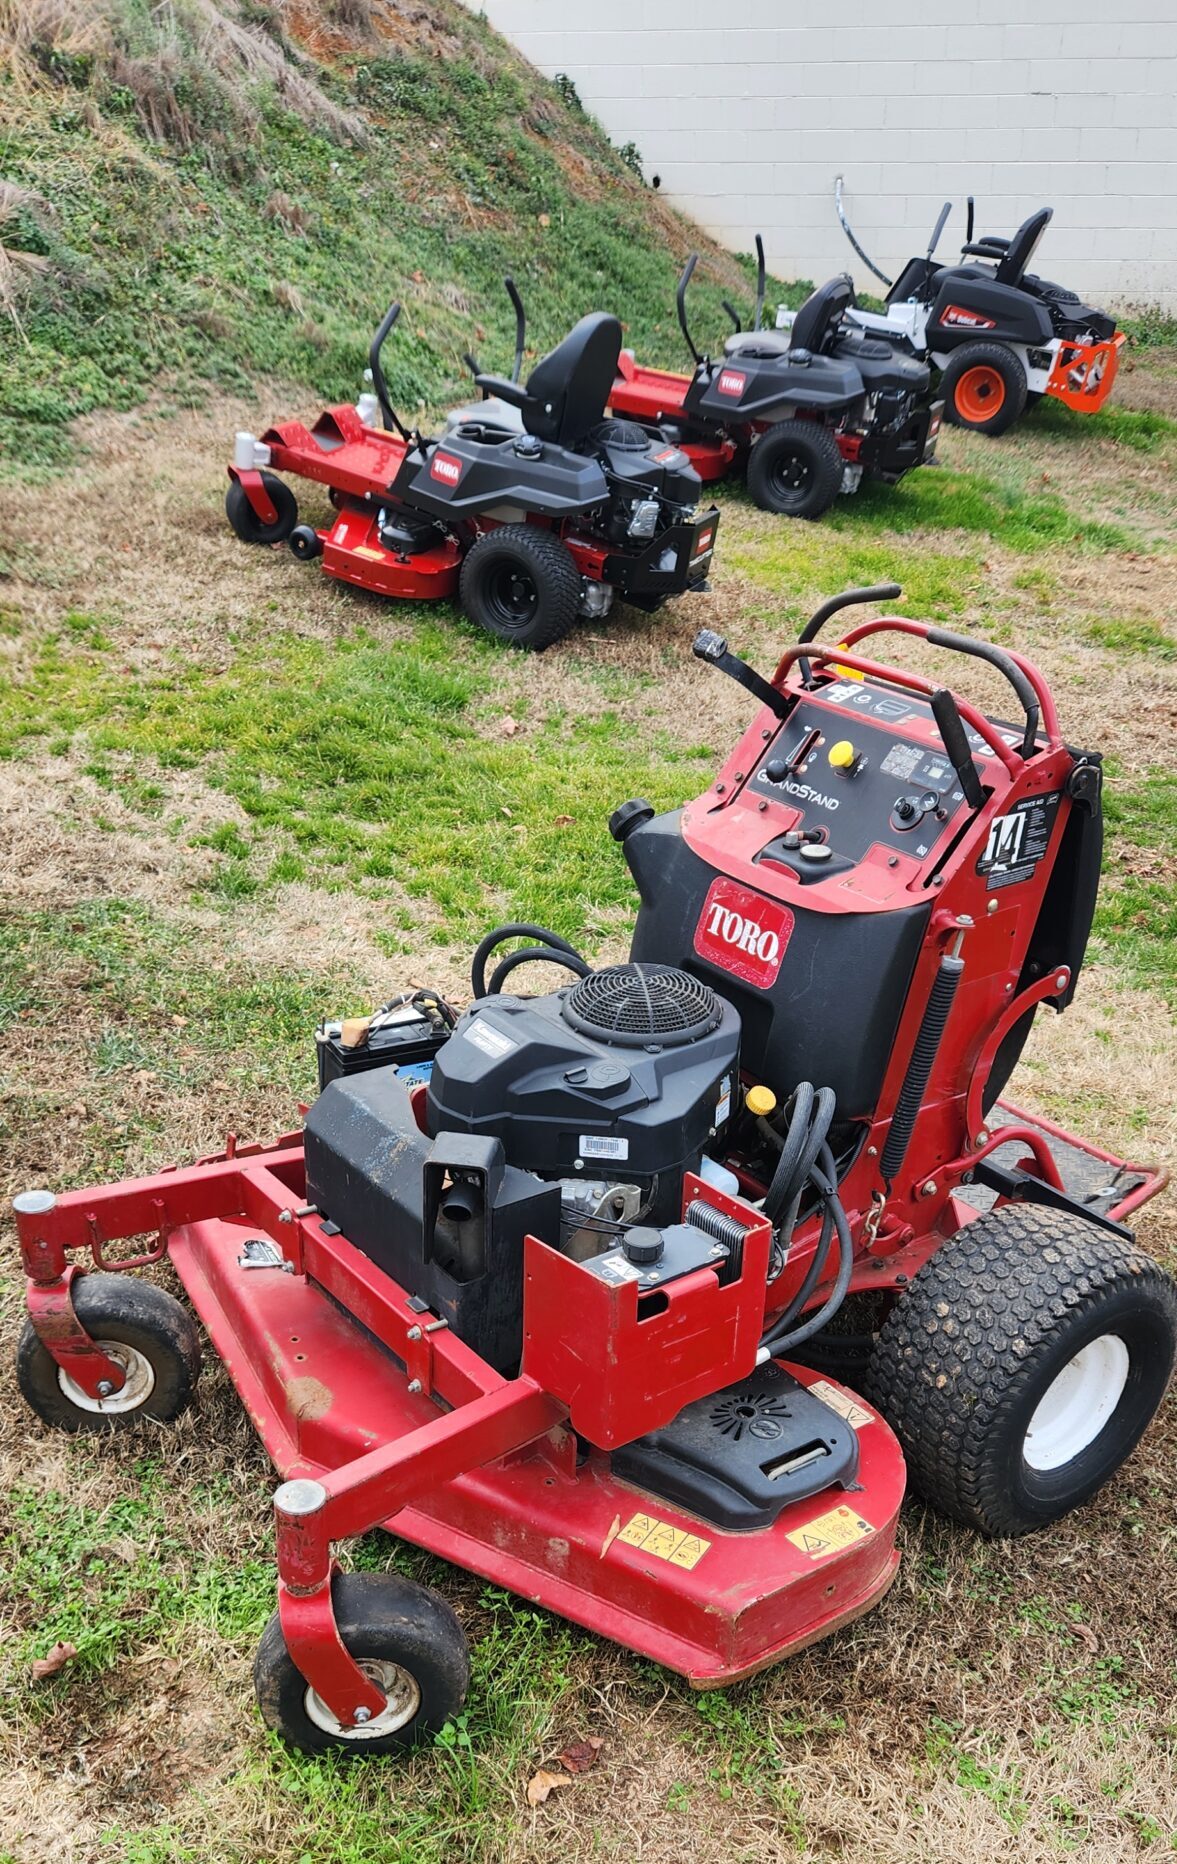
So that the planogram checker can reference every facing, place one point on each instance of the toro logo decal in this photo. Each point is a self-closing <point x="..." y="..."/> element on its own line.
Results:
<point x="445" y="467"/>
<point x="731" y="382"/>
<point x="743" y="933"/>
<point x="667" y="454"/>
<point x="967" y="320"/>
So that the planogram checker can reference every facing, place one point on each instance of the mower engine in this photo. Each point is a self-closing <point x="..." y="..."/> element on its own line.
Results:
<point x="575" y="1116"/>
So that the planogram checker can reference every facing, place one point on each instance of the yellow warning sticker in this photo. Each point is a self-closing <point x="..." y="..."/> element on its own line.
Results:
<point x="856" y="1415"/>
<point x="830" y="1533"/>
<point x="663" y="1540"/>
<point x="366" y="550"/>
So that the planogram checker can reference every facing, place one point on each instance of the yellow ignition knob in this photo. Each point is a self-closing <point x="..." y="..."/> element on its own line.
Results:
<point x="760" y="1101"/>
<point x="843" y="755"/>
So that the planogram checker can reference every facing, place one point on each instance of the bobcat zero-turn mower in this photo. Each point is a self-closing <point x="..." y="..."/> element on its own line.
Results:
<point x="1000" y="337"/>
<point x="535" y="520"/>
<point x="546" y="1286"/>
<point x="803" y="415"/>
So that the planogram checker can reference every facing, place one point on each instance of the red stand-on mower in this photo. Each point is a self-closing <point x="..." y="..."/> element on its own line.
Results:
<point x="804" y="415"/>
<point x="552" y="1286"/>
<point x="534" y="520"/>
<point x="999" y="336"/>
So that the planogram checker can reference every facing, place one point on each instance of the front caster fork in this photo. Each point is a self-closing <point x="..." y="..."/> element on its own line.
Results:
<point x="305" y="1571"/>
<point x="51" y="1306"/>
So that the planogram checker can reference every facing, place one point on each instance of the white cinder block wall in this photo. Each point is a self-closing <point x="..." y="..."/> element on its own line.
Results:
<point x="749" y="109"/>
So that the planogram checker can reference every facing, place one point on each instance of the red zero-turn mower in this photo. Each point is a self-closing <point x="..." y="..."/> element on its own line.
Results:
<point x="803" y="415"/>
<point x="545" y="1286"/>
<point x="534" y="521"/>
<point x="1000" y="337"/>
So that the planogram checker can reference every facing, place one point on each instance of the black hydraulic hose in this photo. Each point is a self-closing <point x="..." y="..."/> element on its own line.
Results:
<point x="515" y="928"/>
<point x="535" y="954"/>
<point x="923" y="1054"/>
<point x="824" y="1178"/>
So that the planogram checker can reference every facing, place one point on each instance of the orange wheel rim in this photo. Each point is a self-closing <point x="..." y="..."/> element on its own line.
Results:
<point x="980" y="393"/>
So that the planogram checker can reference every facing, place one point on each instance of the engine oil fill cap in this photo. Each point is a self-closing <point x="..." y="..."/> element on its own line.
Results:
<point x="643" y="1245"/>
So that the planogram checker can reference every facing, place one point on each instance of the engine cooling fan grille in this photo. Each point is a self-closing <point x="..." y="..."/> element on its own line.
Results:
<point x="624" y="434"/>
<point x="635" y="1004"/>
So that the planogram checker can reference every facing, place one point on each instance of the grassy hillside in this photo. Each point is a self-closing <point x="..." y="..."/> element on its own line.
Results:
<point x="198" y="193"/>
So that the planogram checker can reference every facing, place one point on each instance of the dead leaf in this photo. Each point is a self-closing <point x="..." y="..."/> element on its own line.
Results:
<point x="1086" y="1636"/>
<point x="579" y="1756"/>
<point x="545" y="220"/>
<point x="508" y="726"/>
<point x="562" y="821"/>
<point x="57" y="1659"/>
<point x="543" y="1783"/>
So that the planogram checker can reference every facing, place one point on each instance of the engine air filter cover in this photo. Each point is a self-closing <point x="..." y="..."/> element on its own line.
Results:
<point x="641" y="1005"/>
<point x="624" y="434"/>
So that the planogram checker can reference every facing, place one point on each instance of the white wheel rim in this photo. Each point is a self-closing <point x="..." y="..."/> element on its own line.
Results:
<point x="137" y="1387"/>
<point x="403" y="1699"/>
<point x="1078" y="1403"/>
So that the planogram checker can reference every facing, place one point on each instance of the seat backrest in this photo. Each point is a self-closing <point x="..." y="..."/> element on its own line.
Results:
<point x="1020" y="250"/>
<point x="568" y="389"/>
<point x="822" y="310"/>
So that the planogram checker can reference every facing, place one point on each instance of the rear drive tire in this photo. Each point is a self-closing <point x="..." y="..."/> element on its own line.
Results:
<point x="1023" y="1365"/>
<point x="984" y="388"/>
<point x="795" y="469"/>
<point x="245" y="521"/>
<point x="410" y="1643"/>
<point x="144" y="1329"/>
<point x="521" y="585"/>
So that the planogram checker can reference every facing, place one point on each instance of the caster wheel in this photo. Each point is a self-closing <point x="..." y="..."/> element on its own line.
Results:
<point x="305" y="543"/>
<point x="404" y="1637"/>
<point x="249" y="527"/>
<point x="144" y="1330"/>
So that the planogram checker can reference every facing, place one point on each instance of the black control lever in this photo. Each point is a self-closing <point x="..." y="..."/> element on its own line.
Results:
<point x="952" y="731"/>
<point x="712" y="648"/>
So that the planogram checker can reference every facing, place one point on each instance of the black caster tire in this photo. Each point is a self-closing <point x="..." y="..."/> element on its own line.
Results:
<point x="984" y="388"/>
<point x="145" y="1329"/>
<point x="795" y="469"/>
<point x="404" y="1636"/>
<point x="521" y="585"/>
<point x="244" y="518"/>
<point x="1023" y="1365"/>
<point x="306" y="543"/>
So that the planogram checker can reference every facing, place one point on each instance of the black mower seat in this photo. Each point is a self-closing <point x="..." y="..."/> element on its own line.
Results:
<point x="566" y="393"/>
<point x="821" y="314"/>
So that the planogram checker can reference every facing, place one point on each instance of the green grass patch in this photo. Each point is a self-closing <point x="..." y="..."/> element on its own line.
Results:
<point x="1143" y="431"/>
<point x="369" y="762"/>
<point x="1136" y="918"/>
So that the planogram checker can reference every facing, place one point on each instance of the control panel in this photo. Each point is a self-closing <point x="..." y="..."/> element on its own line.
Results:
<point x="864" y="766"/>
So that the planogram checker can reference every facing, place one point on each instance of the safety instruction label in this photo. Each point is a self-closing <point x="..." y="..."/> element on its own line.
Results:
<point x="663" y="1540"/>
<point x="830" y="1533"/>
<point x="1018" y="840"/>
<point x="856" y="1415"/>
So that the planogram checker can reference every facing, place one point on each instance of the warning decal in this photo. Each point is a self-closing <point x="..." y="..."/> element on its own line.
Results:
<point x="830" y="1533"/>
<point x="663" y="1541"/>
<point x="1018" y="840"/>
<point x="856" y="1415"/>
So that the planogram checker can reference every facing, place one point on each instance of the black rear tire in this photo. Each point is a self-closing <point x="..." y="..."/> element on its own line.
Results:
<point x="245" y="521"/>
<point x="984" y="388"/>
<point x="969" y="1352"/>
<point x="795" y="469"/>
<point x="145" y="1329"/>
<point x="413" y="1647"/>
<point x="521" y="585"/>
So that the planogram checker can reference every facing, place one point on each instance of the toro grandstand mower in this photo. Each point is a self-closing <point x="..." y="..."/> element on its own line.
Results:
<point x="1001" y="337"/>
<point x="533" y="507"/>
<point x="546" y="1286"/>
<point x="802" y="415"/>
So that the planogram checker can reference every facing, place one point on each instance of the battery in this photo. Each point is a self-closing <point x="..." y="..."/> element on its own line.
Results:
<point x="403" y="1035"/>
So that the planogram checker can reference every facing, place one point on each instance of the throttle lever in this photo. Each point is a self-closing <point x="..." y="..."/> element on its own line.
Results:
<point x="952" y="731"/>
<point x="712" y="648"/>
